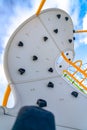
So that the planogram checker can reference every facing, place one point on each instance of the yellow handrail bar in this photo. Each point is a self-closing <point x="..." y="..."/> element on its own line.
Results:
<point x="78" y="61"/>
<point x="78" y="69"/>
<point x="6" y="96"/>
<point x="40" y="7"/>
<point x="81" y="31"/>
<point x="74" y="65"/>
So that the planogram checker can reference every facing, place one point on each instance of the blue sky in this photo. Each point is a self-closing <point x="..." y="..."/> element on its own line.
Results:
<point x="13" y="13"/>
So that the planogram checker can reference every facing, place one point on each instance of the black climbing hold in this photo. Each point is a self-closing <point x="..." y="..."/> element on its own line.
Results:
<point x="60" y="66"/>
<point x="35" y="58"/>
<point x="66" y="18"/>
<point x="55" y="30"/>
<point x="58" y="16"/>
<point x="73" y="31"/>
<point x="20" y="44"/>
<point x="73" y="38"/>
<point x="75" y="94"/>
<point x="50" y="70"/>
<point x="21" y="71"/>
<point x="45" y="38"/>
<point x="70" y="40"/>
<point x="41" y="103"/>
<point x="67" y="54"/>
<point x="50" y="85"/>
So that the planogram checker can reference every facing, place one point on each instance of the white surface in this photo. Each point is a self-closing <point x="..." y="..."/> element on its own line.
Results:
<point x="68" y="110"/>
<point x="6" y="122"/>
<point x="31" y="33"/>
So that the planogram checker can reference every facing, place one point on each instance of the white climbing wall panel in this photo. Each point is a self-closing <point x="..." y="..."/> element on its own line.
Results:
<point x="44" y="38"/>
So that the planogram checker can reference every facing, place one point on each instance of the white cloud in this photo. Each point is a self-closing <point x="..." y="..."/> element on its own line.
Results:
<point x="85" y="22"/>
<point x="85" y="28"/>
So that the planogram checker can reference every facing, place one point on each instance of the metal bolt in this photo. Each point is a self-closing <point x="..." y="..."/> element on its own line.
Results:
<point x="69" y="59"/>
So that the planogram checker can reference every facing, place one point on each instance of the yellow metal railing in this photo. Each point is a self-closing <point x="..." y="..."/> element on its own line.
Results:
<point x="80" y="31"/>
<point x="78" y="69"/>
<point x="6" y="96"/>
<point x="40" y="7"/>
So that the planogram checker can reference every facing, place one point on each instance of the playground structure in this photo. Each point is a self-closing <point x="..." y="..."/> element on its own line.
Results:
<point x="36" y="57"/>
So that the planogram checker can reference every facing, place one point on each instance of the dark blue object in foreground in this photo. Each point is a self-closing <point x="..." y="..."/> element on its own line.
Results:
<point x="34" y="118"/>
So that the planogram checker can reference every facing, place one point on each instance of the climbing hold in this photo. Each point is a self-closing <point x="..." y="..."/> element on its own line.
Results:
<point x="58" y="16"/>
<point x="75" y="94"/>
<point x="73" y="31"/>
<point x="50" y="70"/>
<point x="60" y="66"/>
<point x="20" y="44"/>
<point x="45" y="38"/>
<point x="21" y="71"/>
<point x="70" y="40"/>
<point x="41" y="103"/>
<point x="35" y="58"/>
<point x="73" y="38"/>
<point x="55" y="30"/>
<point x="66" y="18"/>
<point x="67" y="54"/>
<point x="50" y="85"/>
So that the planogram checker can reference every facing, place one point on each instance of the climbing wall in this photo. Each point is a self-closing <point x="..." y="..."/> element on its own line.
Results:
<point x="35" y="47"/>
<point x="34" y="67"/>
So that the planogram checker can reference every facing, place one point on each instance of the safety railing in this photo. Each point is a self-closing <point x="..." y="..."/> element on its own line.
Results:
<point x="77" y="69"/>
<point x="6" y="96"/>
